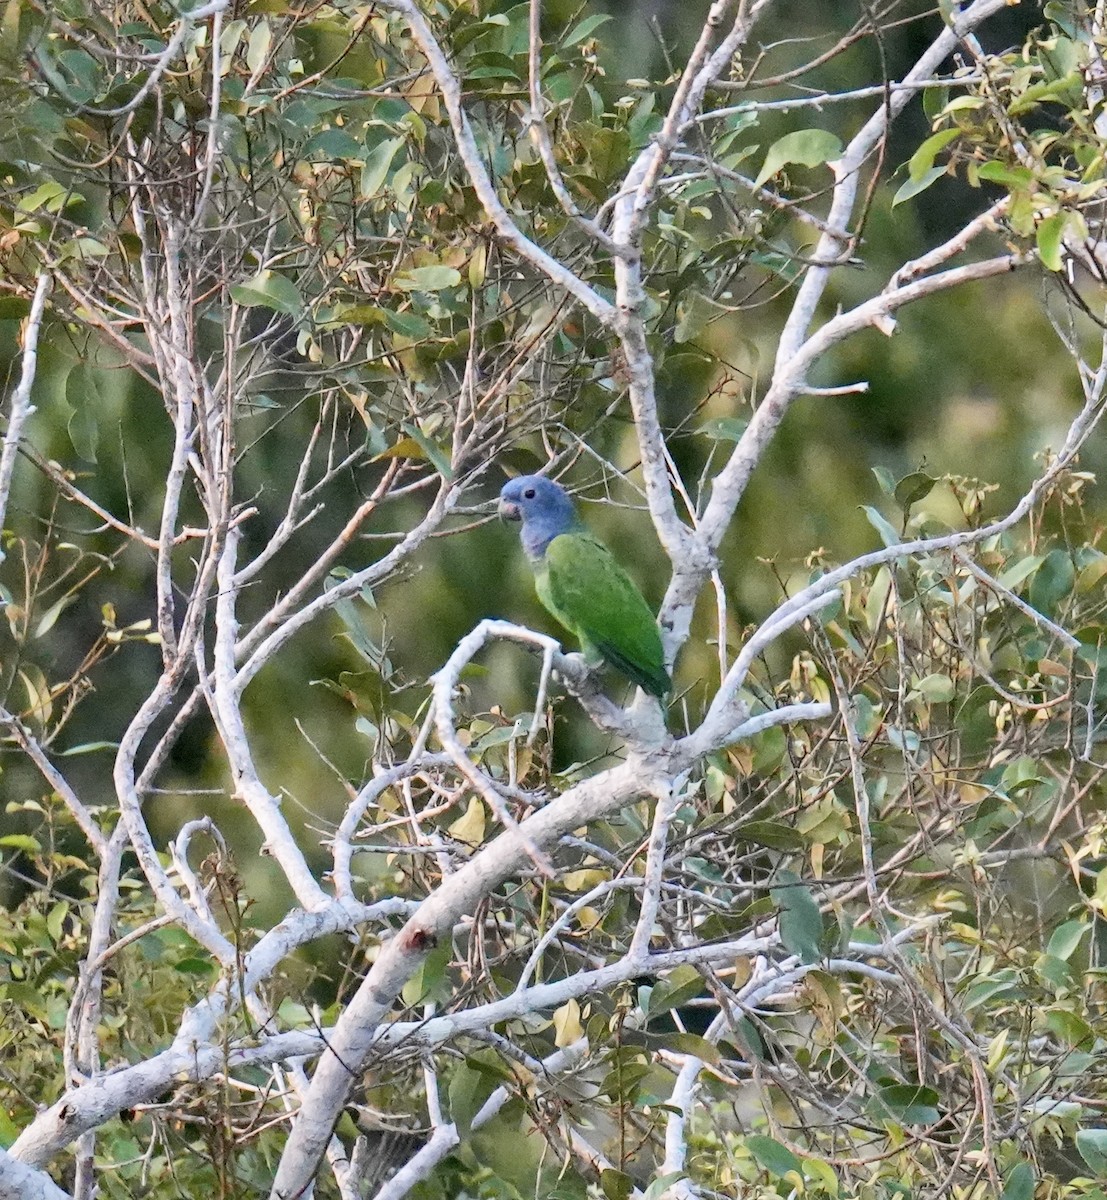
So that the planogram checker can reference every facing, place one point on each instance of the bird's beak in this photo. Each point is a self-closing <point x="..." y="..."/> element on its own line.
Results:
<point x="510" y="511"/>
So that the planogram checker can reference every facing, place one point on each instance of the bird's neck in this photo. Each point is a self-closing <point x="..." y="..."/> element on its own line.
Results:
<point x="537" y="533"/>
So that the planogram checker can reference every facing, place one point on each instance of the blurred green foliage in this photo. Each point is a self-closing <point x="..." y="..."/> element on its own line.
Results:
<point x="385" y="297"/>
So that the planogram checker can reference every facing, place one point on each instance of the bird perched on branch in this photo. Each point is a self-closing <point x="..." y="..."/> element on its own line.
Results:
<point x="580" y="583"/>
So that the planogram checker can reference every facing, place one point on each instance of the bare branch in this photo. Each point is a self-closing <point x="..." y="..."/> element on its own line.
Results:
<point x="22" y="407"/>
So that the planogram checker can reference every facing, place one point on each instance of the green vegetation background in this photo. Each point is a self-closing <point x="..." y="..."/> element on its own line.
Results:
<point x="973" y="383"/>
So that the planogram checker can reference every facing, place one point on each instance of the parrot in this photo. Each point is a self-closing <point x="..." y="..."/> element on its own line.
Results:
<point x="578" y="580"/>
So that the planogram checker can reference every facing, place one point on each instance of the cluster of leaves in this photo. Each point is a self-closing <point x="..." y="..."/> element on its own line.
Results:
<point x="213" y="1138"/>
<point x="978" y="732"/>
<point x="342" y="276"/>
<point x="323" y="206"/>
<point x="979" y="737"/>
<point x="1027" y="123"/>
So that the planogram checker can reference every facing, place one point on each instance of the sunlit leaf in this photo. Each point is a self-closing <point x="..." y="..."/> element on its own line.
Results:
<point x="567" y="1024"/>
<point x="39" y="704"/>
<point x="920" y="164"/>
<point x="913" y="187"/>
<point x="269" y="290"/>
<point x="427" y="279"/>
<point x="377" y="164"/>
<point x="258" y="46"/>
<point x="888" y="534"/>
<point x="21" y="841"/>
<point x="1065" y="939"/>
<point x="584" y="29"/>
<point x="806" y="147"/>
<point x="1049" y="236"/>
<point x="469" y="827"/>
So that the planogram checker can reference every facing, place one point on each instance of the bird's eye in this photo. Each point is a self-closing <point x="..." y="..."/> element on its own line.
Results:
<point x="529" y="494"/>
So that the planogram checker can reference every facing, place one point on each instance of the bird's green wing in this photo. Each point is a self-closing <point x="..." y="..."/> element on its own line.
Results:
<point x="591" y="595"/>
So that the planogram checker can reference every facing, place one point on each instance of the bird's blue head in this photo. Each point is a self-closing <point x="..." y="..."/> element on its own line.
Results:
<point x="543" y="506"/>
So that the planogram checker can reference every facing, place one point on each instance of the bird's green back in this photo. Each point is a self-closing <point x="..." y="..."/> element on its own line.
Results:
<point x="583" y="586"/>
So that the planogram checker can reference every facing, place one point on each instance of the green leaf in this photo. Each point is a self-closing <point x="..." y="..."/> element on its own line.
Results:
<point x="694" y="313"/>
<point x="368" y="730"/>
<point x="913" y="488"/>
<point x="751" y="1041"/>
<point x="615" y="1185"/>
<point x="1025" y="567"/>
<point x="377" y="164"/>
<point x="936" y="688"/>
<point x="9" y="1130"/>
<point x="934" y="99"/>
<point x="681" y="985"/>
<point x="723" y="429"/>
<point x="195" y="966"/>
<point x="774" y="834"/>
<point x="1052" y="581"/>
<point x="1058" y="975"/>
<point x="691" y="1043"/>
<point x="801" y="922"/>
<point x="14" y="308"/>
<point x="1092" y="571"/>
<point x="906" y="740"/>
<point x="333" y="144"/>
<point x="49" y="618"/>
<point x="769" y="749"/>
<point x="962" y="104"/>
<point x="29" y="999"/>
<point x="1066" y="938"/>
<point x="808" y="147"/>
<point x="438" y="456"/>
<point x="921" y="163"/>
<point x="1012" y="177"/>
<point x="908" y="1103"/>
<point x="1092" y="1144"/>
<point x="661" y="1185"/>
<point x="407" y="324"/>
<point x="886" y="480"/>
<point x="82" y="393"/>
<point x="430" y="982"/>
<point x="257" y="49"/>
<point x="1049" y="236"/>
<point x="55" y="921"/>
<point x="84" y="433"/>
<point x="912" y="187"/>
<point x="1020" y="1183"/>
<point x="880" y="523"/>
<point x="1065" y="90"/>
<point x="585" y="28"/>
<point x="87" y="748"/>
<point x="21" y="841"/>
<point x="267" y="289"/>
<point x="362" y="314"/>
<point x="469" y="1089"/>
<point x="427" y="279"/>
<point x="771" y="1156"/>
<point x="1002" y="983"/>
<point x="1070" y="1028"/>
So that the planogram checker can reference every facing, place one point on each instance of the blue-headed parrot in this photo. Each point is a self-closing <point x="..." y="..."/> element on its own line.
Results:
<point x="579" y="581"/>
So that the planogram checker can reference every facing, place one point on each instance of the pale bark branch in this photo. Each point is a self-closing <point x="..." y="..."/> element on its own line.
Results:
<point x="21" y="406"/>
